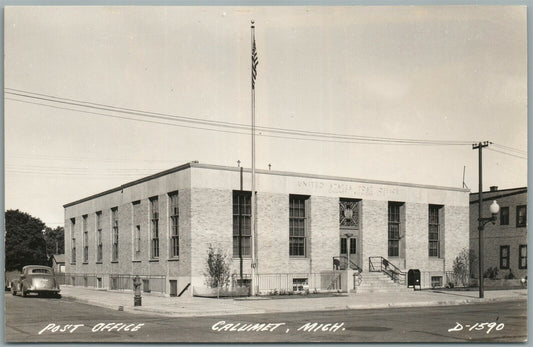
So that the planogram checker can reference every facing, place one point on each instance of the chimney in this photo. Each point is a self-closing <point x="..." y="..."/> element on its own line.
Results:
<point x="493" y="188"/>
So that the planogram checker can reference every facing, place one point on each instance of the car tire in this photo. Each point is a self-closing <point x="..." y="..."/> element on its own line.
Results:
<point x="23" y="292"/>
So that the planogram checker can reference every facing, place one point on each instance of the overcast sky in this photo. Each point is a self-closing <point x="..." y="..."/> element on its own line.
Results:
<point x="438" y="73"/>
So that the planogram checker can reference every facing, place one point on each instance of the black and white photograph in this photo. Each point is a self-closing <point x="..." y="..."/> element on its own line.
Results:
<point x="265" y="174"/>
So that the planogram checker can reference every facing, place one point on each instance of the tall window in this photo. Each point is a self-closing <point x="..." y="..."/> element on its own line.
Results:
<point x="242" y="213"/>
<point x="154" y="216"/>
<point x="504" y="216"/>
<point x="504" y="257"/>
<point x="136" y="233"/>
<point x="521" y="216"/>
<point x="297" y="229"/>
<point x="85" y="240"/>
<point x="174" y="225"/>
<point x="99" y="245"/>
<point x="114" y="228"/>
<point x="522" y="257"/>
<point x="433" y="231"/>
<point x="394" y="229"/>
<point x="137" y="240"/>
<point x="73" y="239"/>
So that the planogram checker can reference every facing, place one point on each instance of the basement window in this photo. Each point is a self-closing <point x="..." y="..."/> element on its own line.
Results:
<point x="299" y="284"/>
<point x="436" y="281"/>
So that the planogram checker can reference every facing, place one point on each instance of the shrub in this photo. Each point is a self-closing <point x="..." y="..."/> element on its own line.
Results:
<point x="510" y="275"/>
<point x="491" y="273"/>
<point x="463" y="265"/>
<point x="217" y="268"/>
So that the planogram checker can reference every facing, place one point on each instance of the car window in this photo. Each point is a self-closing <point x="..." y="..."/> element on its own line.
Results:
<point x="40" y="271"/>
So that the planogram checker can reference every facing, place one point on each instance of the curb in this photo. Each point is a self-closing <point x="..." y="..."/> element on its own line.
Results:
<point x="247" y="310"/>
<point x="195" y="314"/>
<point x="90" y="302"/>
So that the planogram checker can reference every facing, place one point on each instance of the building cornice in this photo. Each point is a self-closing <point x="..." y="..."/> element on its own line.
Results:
<point x="132" y="183"/>
<point x="326" y="177"/>
<point x="195" y="164"/>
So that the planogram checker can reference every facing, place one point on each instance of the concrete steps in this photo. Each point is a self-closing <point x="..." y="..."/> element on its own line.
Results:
<point x="377" y="282"/>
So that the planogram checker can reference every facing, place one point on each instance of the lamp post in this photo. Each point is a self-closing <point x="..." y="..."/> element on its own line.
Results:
<point x="494" y="209"/>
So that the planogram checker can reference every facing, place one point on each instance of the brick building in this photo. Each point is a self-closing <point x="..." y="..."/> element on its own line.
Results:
<point x="160" y="227"/>
<point x="506" y="241"/>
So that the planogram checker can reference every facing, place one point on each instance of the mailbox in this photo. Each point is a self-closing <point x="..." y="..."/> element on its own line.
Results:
<point x="413" y="279"/>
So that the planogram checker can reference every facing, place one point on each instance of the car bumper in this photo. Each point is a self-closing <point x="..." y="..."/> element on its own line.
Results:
<point x="50" y="291"/>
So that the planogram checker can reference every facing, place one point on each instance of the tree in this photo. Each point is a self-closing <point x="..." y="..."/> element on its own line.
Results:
<point x="217" y="269"/>
<point x="24" y="240"/>
<point x="462" y="266"/>
<point x="55" y="240"/>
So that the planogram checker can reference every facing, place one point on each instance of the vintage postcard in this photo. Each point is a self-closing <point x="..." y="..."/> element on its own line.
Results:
<point x="256" y="174"/>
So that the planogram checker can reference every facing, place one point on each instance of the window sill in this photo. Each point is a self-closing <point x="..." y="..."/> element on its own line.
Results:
<point x="174" y="259"/>
<point x="98" y="262"/>
<point x="72" y="263"/>
<point x="243" y="258"/>
<point x="85" y="263"/>
<point x="296" y="257"/>
<point x="114" y="262"/>
<point x="136" y="261"/>
<point x="153" y="261"/>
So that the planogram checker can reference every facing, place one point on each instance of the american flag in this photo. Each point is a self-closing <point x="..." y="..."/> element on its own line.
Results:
<point x="255" y="62"/>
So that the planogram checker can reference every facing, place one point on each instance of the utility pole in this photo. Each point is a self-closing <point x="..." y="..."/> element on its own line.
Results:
<point x="479" y="146"/>
<point x="241" y="202"/>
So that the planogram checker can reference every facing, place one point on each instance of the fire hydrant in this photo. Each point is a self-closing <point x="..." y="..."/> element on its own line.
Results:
<point x="137" y="299"/>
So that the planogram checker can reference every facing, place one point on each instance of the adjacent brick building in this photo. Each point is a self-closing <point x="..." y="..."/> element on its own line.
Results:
<point x="160" y="227"/>
<point x="506" y="241"/>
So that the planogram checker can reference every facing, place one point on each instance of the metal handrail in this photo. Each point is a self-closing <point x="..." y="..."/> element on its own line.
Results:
<point x="386" y="267"/>
<point x="334" y="281"/>
<point x="345" y="262"/>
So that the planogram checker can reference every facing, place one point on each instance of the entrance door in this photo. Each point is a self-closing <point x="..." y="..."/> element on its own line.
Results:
<point x="173" y="288"/>
<point x="351" y="248"/>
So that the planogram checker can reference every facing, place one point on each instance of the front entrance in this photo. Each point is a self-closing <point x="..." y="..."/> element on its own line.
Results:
<point x="349" y="233"/>
<point x="349" y="250"/>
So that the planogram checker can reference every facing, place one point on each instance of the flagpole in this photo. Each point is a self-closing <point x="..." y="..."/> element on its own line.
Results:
<point x="253" y="202"/>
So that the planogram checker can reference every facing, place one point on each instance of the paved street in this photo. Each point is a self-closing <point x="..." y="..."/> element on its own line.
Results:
<point x="26" y="317"/>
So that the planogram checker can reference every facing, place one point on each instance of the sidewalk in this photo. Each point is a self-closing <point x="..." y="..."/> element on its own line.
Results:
<point x="196" y="306"/>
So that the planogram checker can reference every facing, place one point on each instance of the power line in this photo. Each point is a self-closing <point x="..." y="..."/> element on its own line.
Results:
<point x="124" y="118"/>
<point x="73" y="174"/>
<point x="512" y="149"/>
<point x="285" y="131"/>
<point x="83" y="159"/>
<point x="236" y="132"/>
<point x="502" y="152"/>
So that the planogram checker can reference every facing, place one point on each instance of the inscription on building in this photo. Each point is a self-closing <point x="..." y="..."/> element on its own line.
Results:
<point x="347" y="189"/>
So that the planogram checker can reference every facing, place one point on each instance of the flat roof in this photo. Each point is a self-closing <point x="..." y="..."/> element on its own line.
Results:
<point x="195" y="164"/>
<point x="500" y="193"/>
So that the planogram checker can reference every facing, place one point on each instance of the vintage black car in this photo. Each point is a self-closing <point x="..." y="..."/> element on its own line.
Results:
<point x="36" y="279"/>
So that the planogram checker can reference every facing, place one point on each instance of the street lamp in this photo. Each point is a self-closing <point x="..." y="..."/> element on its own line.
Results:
<point x="494" y="209"/>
